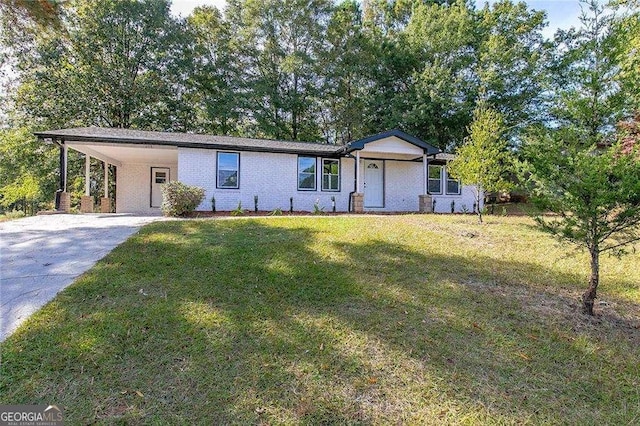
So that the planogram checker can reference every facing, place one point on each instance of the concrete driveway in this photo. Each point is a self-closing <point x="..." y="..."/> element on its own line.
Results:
<point x="41" y="255"/>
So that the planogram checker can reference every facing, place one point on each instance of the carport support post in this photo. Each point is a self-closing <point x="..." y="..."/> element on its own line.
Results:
<point x="105" y="203"/>
<point x="425" y="204"/>
<point x="65" y="152"/>
<point x="86" y="202"/>
<point x="64" y="202"/>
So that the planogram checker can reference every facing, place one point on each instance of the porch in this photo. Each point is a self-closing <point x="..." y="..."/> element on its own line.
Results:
<point x="392" y="173"/>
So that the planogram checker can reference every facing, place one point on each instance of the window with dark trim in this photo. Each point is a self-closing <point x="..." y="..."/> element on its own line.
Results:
<point x="453" y="185"/>
<point x="228" y="172"/>
<point x="435" y="179"/>
<point x="306" y="173"/>
<point x="330" y="174"/>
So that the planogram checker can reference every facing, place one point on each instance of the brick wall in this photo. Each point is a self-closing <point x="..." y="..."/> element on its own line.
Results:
<point x="463" y="201"/>
<point x="403" y="185"/>
<point x="273" y="178"/>
<point x="133" y="187"/>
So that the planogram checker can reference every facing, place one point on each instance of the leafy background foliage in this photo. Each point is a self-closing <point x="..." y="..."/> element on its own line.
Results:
<point x="308" y="70"/>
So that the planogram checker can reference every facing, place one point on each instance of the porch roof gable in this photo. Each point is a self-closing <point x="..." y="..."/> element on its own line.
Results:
<point x="361" y="143"/>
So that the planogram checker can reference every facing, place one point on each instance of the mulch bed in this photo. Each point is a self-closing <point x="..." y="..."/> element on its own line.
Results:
<point x="202" y="214"/>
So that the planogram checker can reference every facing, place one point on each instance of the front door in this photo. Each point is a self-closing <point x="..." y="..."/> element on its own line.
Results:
<point x="373" y="183"/>
<point x="159" y="176"/>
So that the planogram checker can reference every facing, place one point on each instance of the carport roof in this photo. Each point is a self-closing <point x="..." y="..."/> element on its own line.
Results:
<point x="186" y="140"/>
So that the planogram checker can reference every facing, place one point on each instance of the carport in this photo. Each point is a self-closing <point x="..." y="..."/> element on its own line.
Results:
<point x="141" y="166"/>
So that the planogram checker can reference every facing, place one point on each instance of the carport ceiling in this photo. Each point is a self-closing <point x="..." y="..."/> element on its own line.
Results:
<point x="120" y="153"/>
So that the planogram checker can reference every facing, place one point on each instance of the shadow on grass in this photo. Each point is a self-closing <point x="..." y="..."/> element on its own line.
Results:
<point x="254" y="321"/>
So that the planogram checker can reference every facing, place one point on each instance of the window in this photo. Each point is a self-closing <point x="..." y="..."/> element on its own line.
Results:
<point x="161" y="177"/>
<point x="453" y="185"/>
<point x="435" y="181"/>
<point x="330" y="175"/>
<point x="306" y="173"/>
<point x="228" y="170"/>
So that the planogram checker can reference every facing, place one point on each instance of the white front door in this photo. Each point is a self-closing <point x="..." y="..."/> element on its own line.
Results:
<point x="373" y="183"/>
<point x="159" y="176"/>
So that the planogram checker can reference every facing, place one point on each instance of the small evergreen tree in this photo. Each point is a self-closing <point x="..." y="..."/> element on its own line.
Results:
<point x="593" y="193"/>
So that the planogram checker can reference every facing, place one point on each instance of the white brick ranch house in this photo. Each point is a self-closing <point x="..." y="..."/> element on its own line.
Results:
<point x="388" y="172"/>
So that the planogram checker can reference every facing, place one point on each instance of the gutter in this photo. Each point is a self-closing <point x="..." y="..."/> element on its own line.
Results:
<point x="219" y="146"/>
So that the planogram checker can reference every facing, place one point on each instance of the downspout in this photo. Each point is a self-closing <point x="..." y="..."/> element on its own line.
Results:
<point x="355" y="182"/>
<point x="426" y="183"/>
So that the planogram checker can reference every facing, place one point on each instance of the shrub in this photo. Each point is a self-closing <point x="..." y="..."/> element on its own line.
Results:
<point x="238" y="211"/>
<point x="179" y="199"/>
<point x="14" y="214"/>
<point x="317" y="209"/>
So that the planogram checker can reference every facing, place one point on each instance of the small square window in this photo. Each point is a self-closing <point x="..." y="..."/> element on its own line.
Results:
<point x="161" y="177"/>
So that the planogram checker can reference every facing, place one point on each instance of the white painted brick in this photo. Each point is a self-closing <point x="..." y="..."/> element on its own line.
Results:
<point x="273" y="178"/>
<point x="133" y="187"/>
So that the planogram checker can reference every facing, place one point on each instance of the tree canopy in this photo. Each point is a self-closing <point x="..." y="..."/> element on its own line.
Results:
<point x="308" y="70"/>
<point x="321" y="71"/>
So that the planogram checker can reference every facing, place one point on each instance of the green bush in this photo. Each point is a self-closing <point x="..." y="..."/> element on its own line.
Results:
<point x="14" y="214"/>
<point x="179" y="199"/>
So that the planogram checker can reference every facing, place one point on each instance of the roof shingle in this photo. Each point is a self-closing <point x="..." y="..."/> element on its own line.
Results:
<point x="187" y="140"/>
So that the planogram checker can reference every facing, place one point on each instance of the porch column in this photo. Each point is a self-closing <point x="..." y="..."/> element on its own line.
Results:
<point x="63" y="198"/>
<point x="357" y="198"/>
<point x="358" y="172"/>
<point x="105" y="203"/>
<point x="425" y="203"/>
<point x="106" y="180"/>
<point x="425" y="174"/>
<point x="86" y="202"/>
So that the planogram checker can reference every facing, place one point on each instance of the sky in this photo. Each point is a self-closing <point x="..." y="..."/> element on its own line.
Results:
<point x="561" y="14"/>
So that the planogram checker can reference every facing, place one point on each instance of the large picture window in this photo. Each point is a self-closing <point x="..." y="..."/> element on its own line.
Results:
<point x="307" y="173"/>
<point x="435" y="179"/>
<point x="330" y="174"/>
<point x="453" y="185"/>
<point x="228" y="170"/>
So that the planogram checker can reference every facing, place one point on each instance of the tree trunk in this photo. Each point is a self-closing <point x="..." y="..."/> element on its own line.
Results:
<point x="478" y="206"/>
<point x="589" y="296"/>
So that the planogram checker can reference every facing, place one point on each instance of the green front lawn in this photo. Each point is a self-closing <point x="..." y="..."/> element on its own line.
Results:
<point x="395" y="319"/>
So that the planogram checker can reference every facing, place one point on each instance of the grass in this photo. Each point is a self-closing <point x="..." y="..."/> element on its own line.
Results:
<point x="10" y="215"/>
<point x="374" y="320"/>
